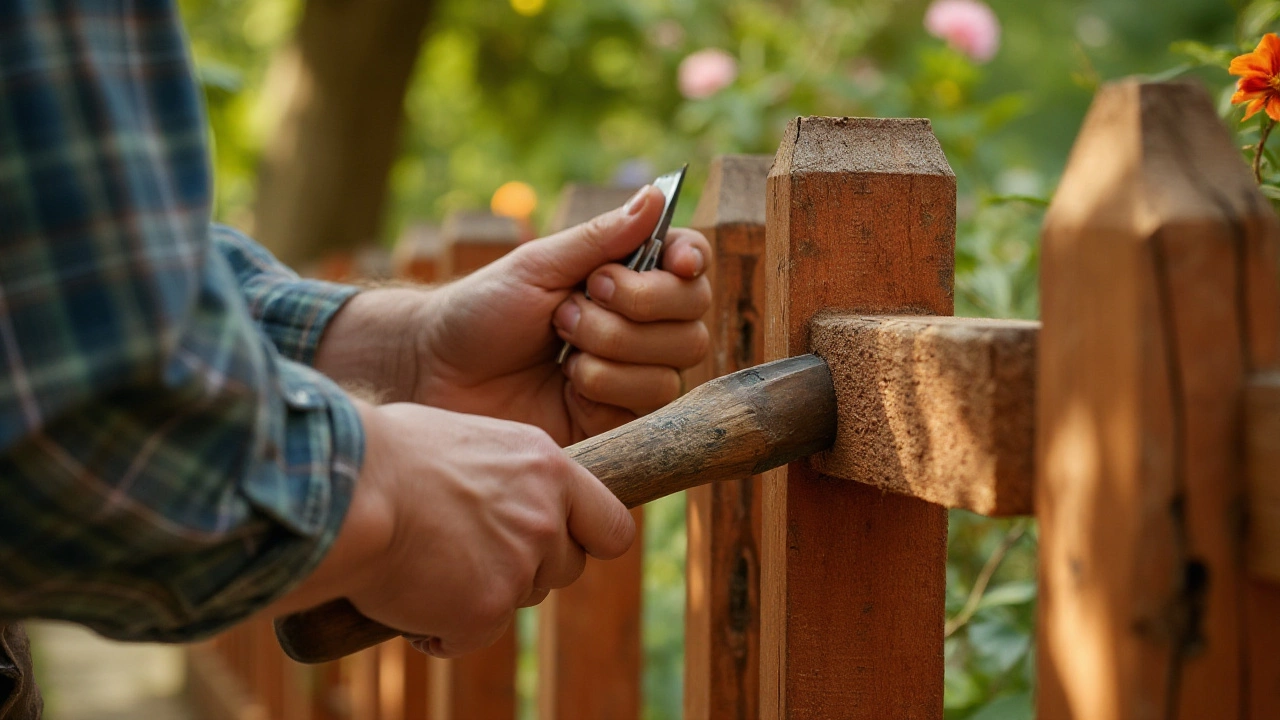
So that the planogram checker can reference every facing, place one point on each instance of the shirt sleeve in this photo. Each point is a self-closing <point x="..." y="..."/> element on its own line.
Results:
<point x="292" y="311"/>
<point x="166" y="466"/>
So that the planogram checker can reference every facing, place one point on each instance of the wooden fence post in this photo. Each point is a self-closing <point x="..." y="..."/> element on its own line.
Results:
<point x="589" y="652"/>
<point x="417" y="254"/>
<point x="861" y="216"/>
<point x="1159" y="297"/>
<point x="475" y="239"/>
<point x="722" y="610"/>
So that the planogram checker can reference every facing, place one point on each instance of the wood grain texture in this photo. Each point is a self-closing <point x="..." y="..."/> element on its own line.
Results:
<point x="722" y="609"/>
<point x="941" y="409"/>
<point x="732" y="427"/>
<point x="589" y="650"/>
<point x="1159" y="298"/>
<point x="1262" y="462"/>
<point x="861" y="216"/>
<point x="475" y="239"/>
<point x="479" y="685"/>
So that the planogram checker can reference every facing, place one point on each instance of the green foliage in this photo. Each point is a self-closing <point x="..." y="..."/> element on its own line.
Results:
<point x="581" y="88"/>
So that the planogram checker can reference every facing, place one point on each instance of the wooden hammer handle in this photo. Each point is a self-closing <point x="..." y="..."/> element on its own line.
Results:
<point x="730" y="428"/>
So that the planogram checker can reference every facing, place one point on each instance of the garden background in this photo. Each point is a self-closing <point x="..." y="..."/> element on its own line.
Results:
<point x="342" y="123"/>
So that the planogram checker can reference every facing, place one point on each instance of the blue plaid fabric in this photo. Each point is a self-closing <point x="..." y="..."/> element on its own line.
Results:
<point x="168" y="461"/>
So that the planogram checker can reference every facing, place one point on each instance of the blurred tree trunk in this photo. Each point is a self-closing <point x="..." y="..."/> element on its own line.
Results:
<point x="341" y="85"/>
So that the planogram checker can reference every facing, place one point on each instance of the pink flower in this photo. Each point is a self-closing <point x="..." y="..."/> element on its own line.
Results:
<point x="969" y="26"/>
<point x="706" y="73"/>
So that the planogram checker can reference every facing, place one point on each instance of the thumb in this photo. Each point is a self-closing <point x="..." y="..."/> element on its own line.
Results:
<point x="564" y="260"/>
<point x="597" y="519"/>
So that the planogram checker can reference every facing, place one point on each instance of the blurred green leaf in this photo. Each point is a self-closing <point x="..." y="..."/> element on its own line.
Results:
<point x="1203" y="54"/>
<point x="1012" y="593"/>
<point x="1257" y="18"/>
<point x="1009" y="707"/>
<point x="1001" y="641"/>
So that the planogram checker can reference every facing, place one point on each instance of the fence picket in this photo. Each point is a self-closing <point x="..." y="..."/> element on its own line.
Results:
<point x="861" y="215"/>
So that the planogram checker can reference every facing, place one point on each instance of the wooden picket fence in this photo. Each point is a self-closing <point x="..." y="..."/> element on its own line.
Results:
<point x="1139" y="423"/>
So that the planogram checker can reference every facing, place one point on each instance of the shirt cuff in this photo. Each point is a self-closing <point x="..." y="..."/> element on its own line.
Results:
<point x="293" y="312"/>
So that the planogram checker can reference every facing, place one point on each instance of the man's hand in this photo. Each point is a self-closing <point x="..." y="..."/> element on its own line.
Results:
<point x="457" y="521"/>
<point x="487" y="343"/>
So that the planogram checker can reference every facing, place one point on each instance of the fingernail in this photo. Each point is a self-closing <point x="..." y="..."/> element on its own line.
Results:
<point x="699" y="262"/>
<point x="567" y="316"/>
<point x="601" y="287"/>
<point x="637" y="201"/>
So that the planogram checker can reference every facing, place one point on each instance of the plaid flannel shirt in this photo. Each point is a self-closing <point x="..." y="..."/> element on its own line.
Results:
<point x="168" y="462"/>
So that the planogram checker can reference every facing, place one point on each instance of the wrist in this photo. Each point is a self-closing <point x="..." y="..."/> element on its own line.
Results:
<point x="370" y="345"/>
<point x="357" y="554"/>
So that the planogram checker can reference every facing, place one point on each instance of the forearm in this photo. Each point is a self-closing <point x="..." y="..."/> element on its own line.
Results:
<point x="369" y="345"/>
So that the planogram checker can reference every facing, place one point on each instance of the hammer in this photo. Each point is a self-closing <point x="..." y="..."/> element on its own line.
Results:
<point x="727" y="429"/>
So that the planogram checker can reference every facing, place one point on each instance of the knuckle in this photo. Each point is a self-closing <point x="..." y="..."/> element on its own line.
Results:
<point x="699" y="343"/>
<point x="596" y="230"/>
<point x="608" y="339"/>
<point x="544" y="528"/>
<point x="619" y="530"/>
<point x="702" y="296"/>
<point x="591" y="379"/>
<point x="643" y="306"/>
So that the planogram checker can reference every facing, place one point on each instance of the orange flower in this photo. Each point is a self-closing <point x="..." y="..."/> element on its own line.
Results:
<point x="1259" y="83"/>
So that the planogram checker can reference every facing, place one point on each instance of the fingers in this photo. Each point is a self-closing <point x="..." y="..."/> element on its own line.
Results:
<point x="561" y="565"/>
<point x="597" y="519"/>
<point x="565" y="259"/>
<point x="651" y="296"/>
<point x="638" y="388"/>
<point x="536" y="596"/>
<point x="687" y="253"/>
<point x="606" y="334"/>
<point x="593" y="417"/>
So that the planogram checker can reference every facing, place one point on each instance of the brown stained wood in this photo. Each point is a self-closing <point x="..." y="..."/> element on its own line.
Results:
<point x="475" y="239"/>
<point x="732" y="427"/>
<point x="479" y="685"/>
<point x="360" y="678"/>
<point x="861" y="216"/>
<point x="391" y="679"/>
<point x="1262" y="462"/>
<point x="722" y="609"/>
<point x="590" y="657"/>
<point x="580" y="203"/>
<point x="1159" y="298"/>
<point x="417" y="683"/>
<point x="215" y="690"/>
<point x="268" y="676"/>
<point x="417" y="254"/>
<point x="942" y="409"/>
<point x="589" y="649"/>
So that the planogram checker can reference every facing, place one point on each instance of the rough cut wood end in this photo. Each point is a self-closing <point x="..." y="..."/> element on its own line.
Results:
<point x="941" y="409"/>
<point x="840" y="145"/>
<point x="734" y="196"/>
